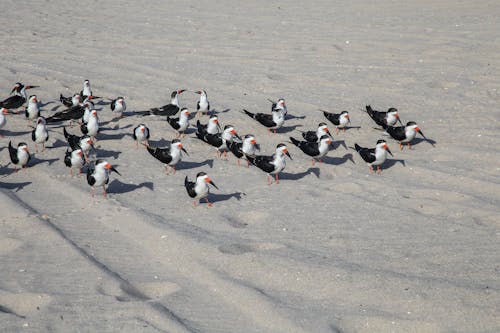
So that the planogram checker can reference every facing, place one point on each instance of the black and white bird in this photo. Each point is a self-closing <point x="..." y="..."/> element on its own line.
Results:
<point x="20" y="156"/>
<point x="181" y="123"/>
<point x="118" y="106"/>
<point x="3" y="119"/>
<point x="272" y="165"/>
<point x="316" y="150"/>
<point x="98" y="175"/>
<point x="84" y="143"/>
<point x="212" y="127"/>
<point x="248" y="147"/>
<point x="220" y="140"/>
<point x="71" y="113"/>
<point x="340" y="120"/>
<point x="169" y="156"/>
<point x="70" y="100"/>
<point x="32" y="110"/>
<point x="86" y="91"/>
<point x="141" y="135"/>
<point x="314" y="136"/>
<point x="279" y="105"/>
<point x="40" y="135"/>
<point x="74" y="159"/>
<point x="374" y="156"/>
<point x="170" y="109"/>
<point x="203" y="105"/>
<point x="404" y="134"/>
<point x="381" y="118"/>
<point x="272" y="121"/>
<point x="199" y="188"/>
<point x="18" y="99"/>
<point x="91" y="128"/>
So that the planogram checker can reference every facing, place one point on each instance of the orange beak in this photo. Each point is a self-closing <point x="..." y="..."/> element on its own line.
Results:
<point x="80" y="154"/>
<point x="233" y="132"/>
<point x="329" y="142"/>
<point x="143" y="129"/>
<point x="108" y="166"/>
<point x="417" y="129"/>
<point x="34" y="99"/>
<point x="253" y="141"/>
<point x="89" y="141"/>
<point x="5" y="111"/>
<point x="216" y="121"/>
<point x="26" y="149"/>
<point x="180" y="145"/>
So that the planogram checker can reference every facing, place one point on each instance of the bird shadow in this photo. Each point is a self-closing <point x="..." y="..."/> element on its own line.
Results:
<point x="103" y="153"/>
<point x="45" y="104"/>
<point x="338" y="160"/>
<point x="10" y="133"/>
<point x="159" y="143"/>
<point x="58" y="144"/>
<point x="300" y="175"/>
<point x="287" y="129"/>
<point x="215" y="111"/>
<point x="117" y="136"/>
<point x="14" y="186"/>
<point x="184" y="165"/>
<point x="389" y="163"/>
<point x="35" y="161"/>
<point x="416" y="141"/>
<point x="116" y="186"/>
<point x="337" y="143"/>
<point x="215" y="197"/>
<point x="289" y="116"/>
<point x="347" y="128"/>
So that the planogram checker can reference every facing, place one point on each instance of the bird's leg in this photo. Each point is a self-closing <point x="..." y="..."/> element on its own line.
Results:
<point x="378" y="169"/>
<point x="147" y="143"/>
<point x="320" y="161"/>
<point x="312" y="161"/>
<point x="268" y="180"/>
<point x="173" y="168"/>
<point x="43" y="145"/>
<point x="238" y="161"/>
<point x="400" y="146"/>
<point x="277" y="179"/>
<point x="136" y="144"/>
<point x="371" y="169"/>
<point x="344" y="129"/>
<point x="92" y="191"/>
<point x="337" y="130"/>
<point x="104" y="189"/>
<point x="71" y="172"/>
<point x="225" y="153"/>
<point x="409" y="146"/>
<point x="166" y="169"/>
<point x="194" y="203"/>
<point x="208" y="202"/>
<point x="248" y="164"/>
<point x="275" y="131"/>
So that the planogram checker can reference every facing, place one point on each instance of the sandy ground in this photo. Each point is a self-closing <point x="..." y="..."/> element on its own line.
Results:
<point x="329" y="249"/>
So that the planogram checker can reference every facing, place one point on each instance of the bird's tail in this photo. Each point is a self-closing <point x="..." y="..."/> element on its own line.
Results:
<point x="151" y="150"/>
<point x="369" y="110"/>
<point x="295" y="141"/>
<point x="250" y="114"/>
<point x="66" y="134"/>
<point x="357" y="147"/>
<point x="186" y="181"/>
<point x="251" y="159"/>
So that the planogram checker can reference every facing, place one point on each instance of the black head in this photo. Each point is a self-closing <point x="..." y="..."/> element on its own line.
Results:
<point x="213" y="116"/>
<point x="176" y="140"/>
<point x="381" y="141"/>
<point x="344" y="112"/>
<point x="392" y="110"/>
<point x="228" y="126"/>
<point x="173" y="94"/>
<point x="280" y="145"/>
<point x="246" y="136"/>
<point x="324" y="137"/>
<point x="200" y="174"/>
<point x="411" y="123"/>
<point x="322" y="124"/>
<point x="22" y="144"/>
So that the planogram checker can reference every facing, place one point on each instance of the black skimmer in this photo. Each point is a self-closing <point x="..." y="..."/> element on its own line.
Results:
<point x="340" y="120"/>
<point x="272" y="165"/>
<point x="74" y="160"/>
<point x="314" y="149"/>
<point x="3" y="119"/>
<point x="72" y="113"/>
<point x="84" y="143"/>
<point x="181" y="123"/>
<point x="118" y="106"/>
<point x="141" y="135"/>
<point x="374" y="156"/>
<point x="381" y="118"/>
<point x="32" y="111"/>
<point x="199" y="188"/>
<point x="19" y="97"/>
<point x="212" y="127"/>
<point x="404" y="134"/>
<point x="91" y="128"/>
<point x="169" y="156"/>
<point x="203" y="106"/>
<point x="220" y="140"/>
<point x="70" y="101"/>
<point x="40" y="135"/>
<point x="248" y="147"/>
<point x="314" y="136"/>
<point x="98" y="175"/>
<point x="20" y="156"/>
<point x="279" y="105"/>
<point x="272" y="121"/>
<point x="170" y="109"/>
<point x="86" y="91"/>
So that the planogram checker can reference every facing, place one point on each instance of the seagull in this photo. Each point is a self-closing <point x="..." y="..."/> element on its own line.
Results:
<point x="40" y="135"/>
<point x="181" y="123"/>
<point x="20" y="156"/>
<point x="314" y="136"/>
<point x="141" y="134"/>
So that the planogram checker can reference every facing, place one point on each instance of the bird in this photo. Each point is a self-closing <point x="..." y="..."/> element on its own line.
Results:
<point x="212" y="127"/>
<point x="272" y="165"/>
<point x="74" y="159"/>
<point x="18" y="99"/>
<point x="314" y="136"/>
<point x="199" y="188"/>
<point x="181" y="123"/>
<point x="86" y="112"/>
<point x="3" y="119"/>
<point x="141" y="135"/>
<point x="340" y="120"/>
<point x="279" y="105"/>
<point x="20" y="156"/>
<point x="84" y="143"/>
<point x="118" y="106"/>
<point x="404" y="134"/>
<point x="374" y="156"/>
<point x="220" y="140"/>
<point x="71" y="100"/>
<point x="92" y="127"/>
<point x="316" y="150"/>
<point x="71" y="113"/>
<point x="98" y="175"/>
<point x="248" y="147"/>
<point x="170" y="109"/>
<point x="170" y="156"/>
<point x="272" y="121"/>
<point x="32" y="111"/>
<point x="86" y="91"/>
<point x="389" y="117"/>
<point x="40" y="135"/>
<point x="203" y="105"/>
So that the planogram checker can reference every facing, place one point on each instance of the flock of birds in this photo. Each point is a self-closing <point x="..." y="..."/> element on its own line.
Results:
<point x="80" y="108"/>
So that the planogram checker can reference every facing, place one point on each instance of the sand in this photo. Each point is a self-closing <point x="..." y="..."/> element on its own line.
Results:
<point x="329" y="249"/>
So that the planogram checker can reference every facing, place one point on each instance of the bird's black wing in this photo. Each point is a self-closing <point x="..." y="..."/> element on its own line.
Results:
<point x="67" y="159"/>
<point x="174" y="122"/>
<point x="333" y="117"/>
<point x="236" y="148"/>
<point x="113" y="105"/>
<point x="310" y="136"/>
<point x="397" y="133"/>
<point x="262" y="162"/>
<point x="367" y="154"/>
<point x="161" y="154"/>
<point x="13" y="154"/>
<point x="190" y="187"/>
<point x="265" y="119"/>
<point x="309" y="148"/>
